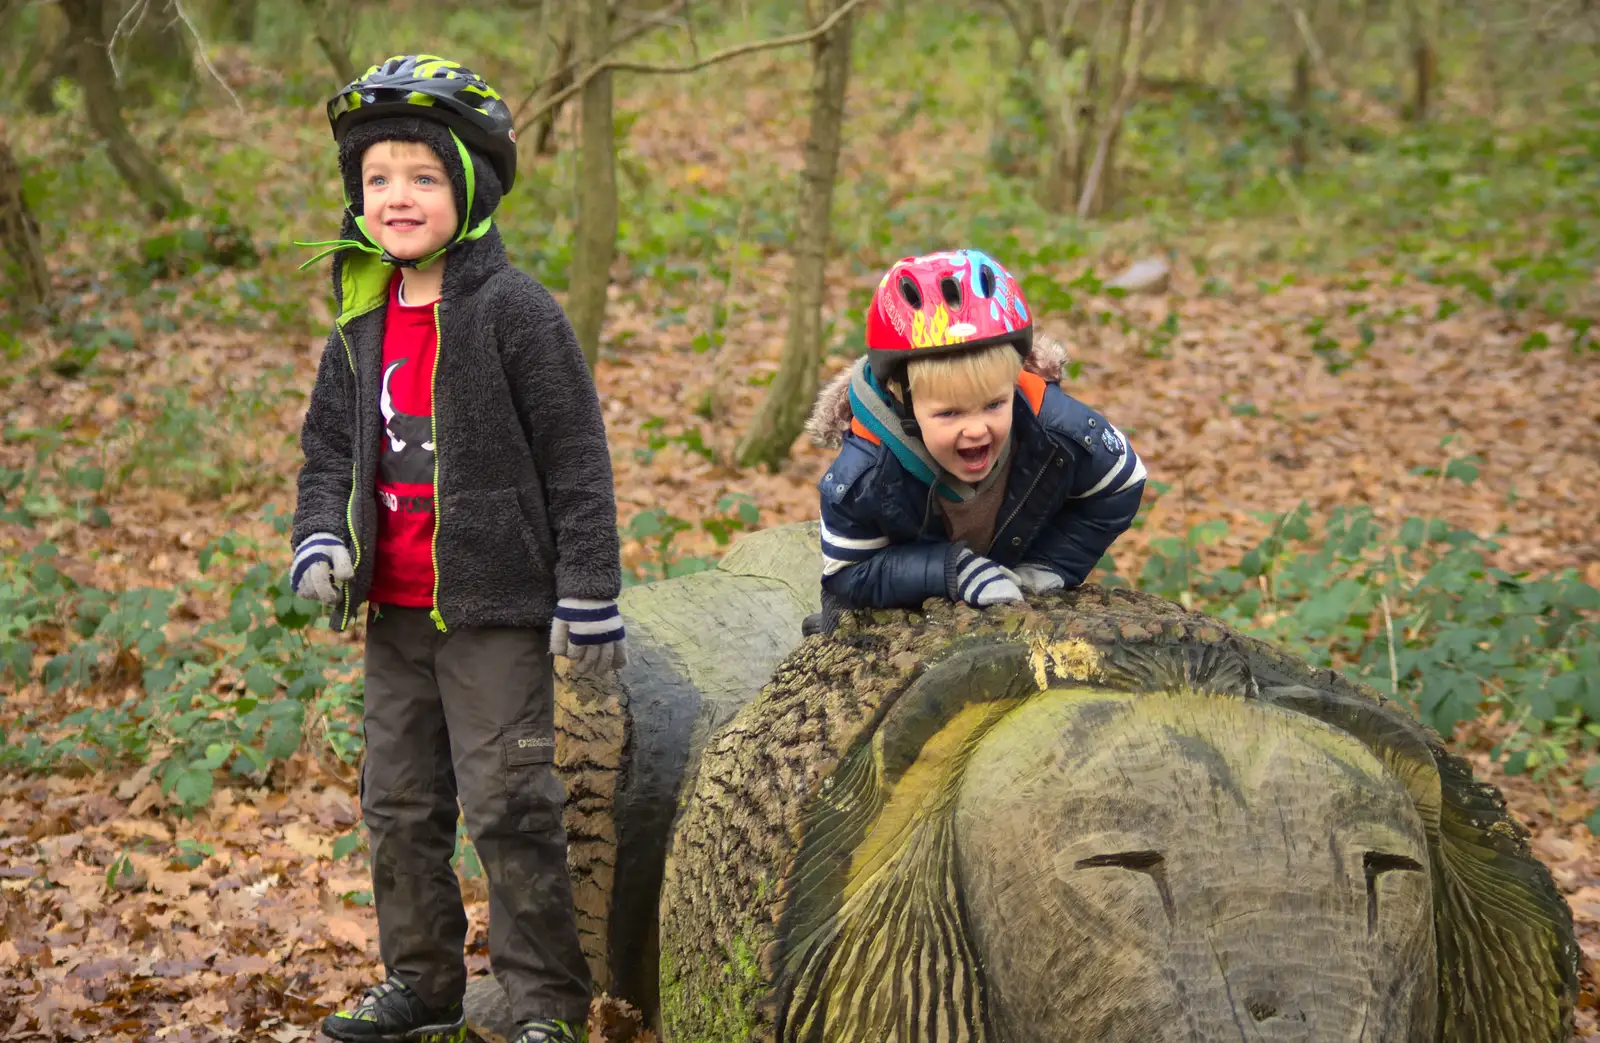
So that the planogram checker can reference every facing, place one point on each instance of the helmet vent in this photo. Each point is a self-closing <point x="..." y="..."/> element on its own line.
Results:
<point x="910" y="291"/>
<point x="986" y="280"/>
<point x="951" y="291"/>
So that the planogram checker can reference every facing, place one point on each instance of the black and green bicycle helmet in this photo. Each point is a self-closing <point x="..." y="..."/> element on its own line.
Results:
<point x="432" y="87"/>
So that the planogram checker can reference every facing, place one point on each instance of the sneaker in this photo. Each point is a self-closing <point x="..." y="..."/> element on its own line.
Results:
<point x="392" y="1013"/>
<point x="550" y="1032"/>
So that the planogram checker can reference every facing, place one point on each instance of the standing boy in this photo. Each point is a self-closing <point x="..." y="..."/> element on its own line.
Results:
<point x="456" y="479"/>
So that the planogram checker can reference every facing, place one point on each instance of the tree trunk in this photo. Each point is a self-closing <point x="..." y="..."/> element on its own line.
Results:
<point x="1193" y="44"/>
<point x="60" y="60"/>
<point x="1069" y="129"/>
<point x="1421" y="31"/>
<point x="332" y="22"/>
<point x="241" y="24"/>
<point x="596" y="245"/>
<point x="19" y="233"/>
<point x="159" y="194"/>
<point x="544" y="128"/>
<point x="151" y="49"/>
<point x="1300" y="105"/>
<point x="788" y="401"/>
<point x="1143" y="16"/>
<point x="1425" y="70"/>
<point x="624" y="746"/>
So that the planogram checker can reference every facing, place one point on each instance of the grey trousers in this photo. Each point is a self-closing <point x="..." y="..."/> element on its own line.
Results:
<point x="471" y="714"/>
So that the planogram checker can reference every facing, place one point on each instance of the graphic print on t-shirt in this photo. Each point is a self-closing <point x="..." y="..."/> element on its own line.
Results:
<point x="403" y="569"/>
<point x="408" y="456"/>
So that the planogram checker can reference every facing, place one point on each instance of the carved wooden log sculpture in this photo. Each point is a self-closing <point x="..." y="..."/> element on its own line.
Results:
<point x="1097" y="818"/>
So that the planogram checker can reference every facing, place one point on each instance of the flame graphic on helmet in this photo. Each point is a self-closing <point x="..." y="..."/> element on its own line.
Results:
<point x="934" y="332"/>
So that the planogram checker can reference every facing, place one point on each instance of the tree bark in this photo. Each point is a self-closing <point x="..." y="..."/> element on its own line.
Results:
<point x="61" y="59"/>
<point x="1300" y="105"/>
<point x="544" y="127"/>
<point x="102" y="101"/>
<point x="783" y="411"/>
<point x="242" y="20"/>
<point x="1421" y="31"/>
<point x="151" y="48"/>
<point x="331" y="22"/>
<point x="19" y="233"/>
<point x="596" y="245"/>
<point x="1143" y="16"/>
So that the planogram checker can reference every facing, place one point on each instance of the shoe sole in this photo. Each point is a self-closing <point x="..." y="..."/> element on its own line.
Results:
<point x="452" y="1033"/>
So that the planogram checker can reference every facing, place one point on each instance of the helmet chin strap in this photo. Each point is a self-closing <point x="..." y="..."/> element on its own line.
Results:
<point x="908" y="416"/>
<point x="368" y="244"/>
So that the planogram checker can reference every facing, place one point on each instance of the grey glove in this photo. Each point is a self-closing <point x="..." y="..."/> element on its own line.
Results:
<point x="321" y="567"/>
<point x="1039" y="579"/>
<point x="590" y="633"/>
<point x="980" y="582"/>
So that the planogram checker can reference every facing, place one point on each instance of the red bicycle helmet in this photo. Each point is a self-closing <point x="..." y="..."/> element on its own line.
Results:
<point x="944" y="304"/>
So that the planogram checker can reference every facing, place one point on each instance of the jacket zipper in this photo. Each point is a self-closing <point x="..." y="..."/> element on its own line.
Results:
<point x="1014" y="511"/>
<point x="350" y="504"/>
<point x="433" y="432"/>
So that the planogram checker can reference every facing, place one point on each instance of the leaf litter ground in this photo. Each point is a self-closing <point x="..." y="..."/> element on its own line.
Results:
<point x="123" y="921"/>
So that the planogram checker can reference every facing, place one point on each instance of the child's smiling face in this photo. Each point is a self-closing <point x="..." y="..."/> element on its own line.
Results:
<point x="406" y="199"/>
<point x="965" y="437"/>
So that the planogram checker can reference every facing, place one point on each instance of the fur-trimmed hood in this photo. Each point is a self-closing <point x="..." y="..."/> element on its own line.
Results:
<point x="831" y="415"/>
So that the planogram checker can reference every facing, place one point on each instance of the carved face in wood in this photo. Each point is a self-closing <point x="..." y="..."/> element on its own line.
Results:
<point x="1140" y="869"/>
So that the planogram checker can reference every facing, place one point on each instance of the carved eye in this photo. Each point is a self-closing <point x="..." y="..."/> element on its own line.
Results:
<point x="1150" y="863"/>
<point x="1374" y="864"/>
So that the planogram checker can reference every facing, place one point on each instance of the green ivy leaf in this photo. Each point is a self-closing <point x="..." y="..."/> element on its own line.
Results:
<point x="345" y="845"/>
<point x="1464" y="469"/>
<point x="194" y="787"/>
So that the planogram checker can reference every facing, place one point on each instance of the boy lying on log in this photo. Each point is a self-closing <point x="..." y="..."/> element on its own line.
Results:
<point x="964" y="470"/>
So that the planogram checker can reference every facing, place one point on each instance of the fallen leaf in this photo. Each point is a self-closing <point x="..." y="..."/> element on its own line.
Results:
<point x="303" y="841"/>
<point x="344" y="929"/>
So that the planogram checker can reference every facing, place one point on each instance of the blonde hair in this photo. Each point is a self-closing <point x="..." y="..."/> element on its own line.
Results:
<point x="969" y="379"/>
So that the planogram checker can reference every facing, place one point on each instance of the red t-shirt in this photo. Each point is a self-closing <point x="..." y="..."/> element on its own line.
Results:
<point x="403" y="569"/>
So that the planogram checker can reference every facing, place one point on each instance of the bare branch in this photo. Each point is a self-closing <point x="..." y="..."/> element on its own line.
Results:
<point x="562" y="73"/>
<point x="1319" y="57"/>
<point x="200" y="47"/>
<point x="736" y="51"/>
<point x="135" y="11"/>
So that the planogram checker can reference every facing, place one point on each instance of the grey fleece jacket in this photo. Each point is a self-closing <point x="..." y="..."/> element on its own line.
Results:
<point x="523" y="499"/>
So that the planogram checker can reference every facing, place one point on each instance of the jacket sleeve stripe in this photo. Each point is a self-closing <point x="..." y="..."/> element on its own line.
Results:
<point x="1127" y="470"/>
<point x="840" y="550"/>
<point x="833" y="565"/>
<point x="836" y="541"/>
<point x="1135" y="478"/>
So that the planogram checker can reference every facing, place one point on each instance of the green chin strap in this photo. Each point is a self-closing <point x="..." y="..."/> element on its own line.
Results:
<point x="367" y="244"/>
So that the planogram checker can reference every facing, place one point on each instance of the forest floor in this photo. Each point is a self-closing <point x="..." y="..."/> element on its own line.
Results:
<point x="265" y="932"/>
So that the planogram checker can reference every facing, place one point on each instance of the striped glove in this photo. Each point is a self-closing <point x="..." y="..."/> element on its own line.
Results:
<point x="321" y="566"/>
<point x="1039" y="579"/>
<point x="589" y="632"/>
<point x="979" y="582"/>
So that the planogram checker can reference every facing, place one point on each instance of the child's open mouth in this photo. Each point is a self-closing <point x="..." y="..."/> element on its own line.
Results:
<point x="974" y="459"/>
